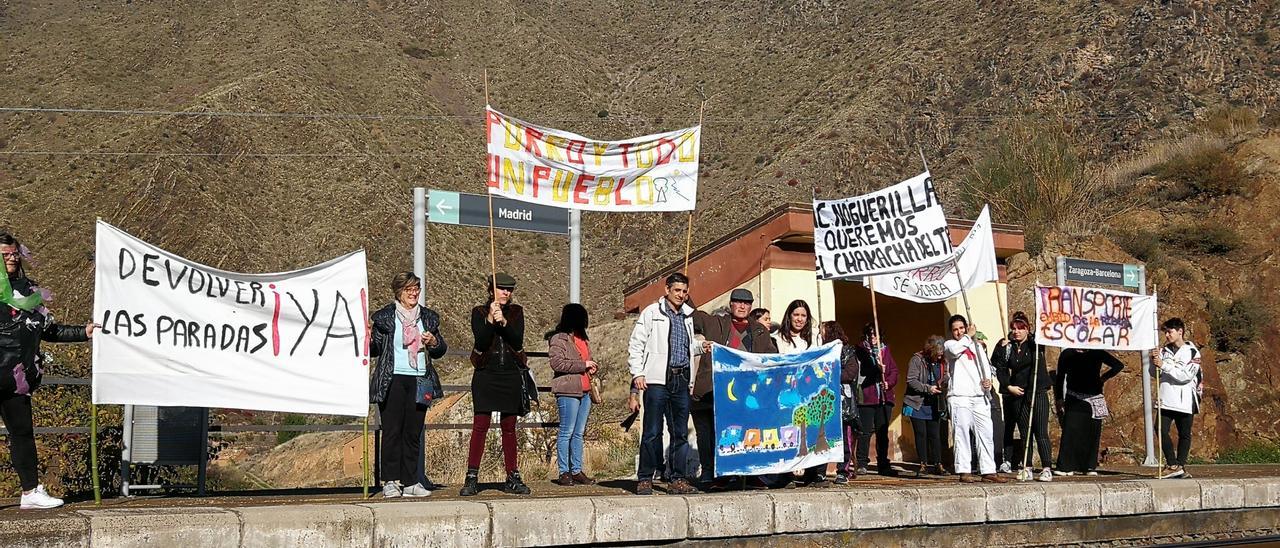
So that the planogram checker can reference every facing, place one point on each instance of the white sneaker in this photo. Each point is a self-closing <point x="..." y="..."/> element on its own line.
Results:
<point x="39" y="498"/>
<point x="1005" y="468"/>
<point x="1045" y="475"/>
<point x="391" y="489"/>
<point x="1091" y="473"/>
<point x="416" y="490"/>
<point x="1061" y="473"/>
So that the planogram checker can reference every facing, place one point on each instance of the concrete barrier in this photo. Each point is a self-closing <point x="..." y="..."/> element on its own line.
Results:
<point x="796" y="511"/>
<point x="199" y="527"/>
<point x="1014" y="502"/>
<point x="1125" y="498"/>
<point x="542" y="522"/>
<point x="1071" y="500"/>
<point x="42" y="532"/>
<point x="953" y="504"/>
<point x="444" y="524"/>
<point x="1175" y="495"/>
<point x="954" y="514"/>
<point x="636" y="519"/>
<point x="306" y="525"/>
<point x="716" y="516"/>
<point x="1221" y="494"/>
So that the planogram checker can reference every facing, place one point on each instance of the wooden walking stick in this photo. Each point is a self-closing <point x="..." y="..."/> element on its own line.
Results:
<point x="688" y="237"/>
<point x="1159" y="420"/>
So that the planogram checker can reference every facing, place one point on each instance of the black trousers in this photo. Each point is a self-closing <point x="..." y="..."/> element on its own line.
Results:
<point x="704" y="426"/>
<point x="402" y="421"/>
<point x="16" y="412"/>
<point x="1081" y="434"/>
<point x="874" y="420"/>
<point x="1017" y="415"/>
<point x="1183" y="422"/>
<point x="928" y="434"/>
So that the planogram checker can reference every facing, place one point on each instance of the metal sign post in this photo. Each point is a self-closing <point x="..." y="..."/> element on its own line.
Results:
<point x="1127" y="276"/>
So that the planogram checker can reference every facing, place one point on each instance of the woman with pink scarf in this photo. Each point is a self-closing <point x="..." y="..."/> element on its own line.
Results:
<point x="406" y="338"/>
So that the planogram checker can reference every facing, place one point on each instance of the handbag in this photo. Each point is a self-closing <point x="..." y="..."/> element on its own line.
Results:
<point x="530" y="390"/>
<point x="848" y="403"/>
<point x="428" y="388"/>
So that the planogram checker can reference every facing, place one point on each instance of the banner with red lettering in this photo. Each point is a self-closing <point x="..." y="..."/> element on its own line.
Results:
<point x="178" y="333"/>
<point x="547" y="166"/>
<point x="1085" y="317"/>
<point x="975" y="261"/>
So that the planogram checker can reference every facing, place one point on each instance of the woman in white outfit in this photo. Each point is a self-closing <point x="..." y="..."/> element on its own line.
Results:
<point x="968" y="398"/>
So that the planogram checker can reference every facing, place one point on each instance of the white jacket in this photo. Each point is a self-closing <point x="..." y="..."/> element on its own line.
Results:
<point x="790" y="345"/>
<point x="1180" y="378"/>
<point x="650" y="341"/>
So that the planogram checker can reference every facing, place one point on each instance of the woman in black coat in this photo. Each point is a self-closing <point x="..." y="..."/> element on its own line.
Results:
<point x="1020" y="363"/>
<point x="405" y="339"/>
<point x="497" y="385"/>
<point x="24" y="322"/>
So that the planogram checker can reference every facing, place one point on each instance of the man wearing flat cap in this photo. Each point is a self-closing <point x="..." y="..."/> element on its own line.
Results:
<point x="736" y="331"/>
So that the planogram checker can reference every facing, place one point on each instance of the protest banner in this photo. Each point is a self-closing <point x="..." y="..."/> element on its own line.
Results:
<point x="891" y="230"/>
<point x="1084" y="317"/>
<point x="178" y="333"/>
<point x="975" y="257"/>
<point x="543" y="165"/>
<point x="776" y="413"/>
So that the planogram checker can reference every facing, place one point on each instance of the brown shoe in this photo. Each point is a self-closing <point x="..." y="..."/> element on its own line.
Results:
<point x="564" y="479"/>
<point x="582" y="479"/>
<point x="993" y="478"/>
<point x="644" y="487"/>
<point x="681" y="487"/>
<point x="969" y="478"/>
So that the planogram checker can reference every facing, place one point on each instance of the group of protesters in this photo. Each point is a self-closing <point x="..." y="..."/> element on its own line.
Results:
<point x="987" y="398"/>
<point x="954" y="384"/>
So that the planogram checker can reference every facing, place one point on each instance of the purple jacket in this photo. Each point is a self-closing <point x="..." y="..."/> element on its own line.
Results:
<point x="871" y="390"/>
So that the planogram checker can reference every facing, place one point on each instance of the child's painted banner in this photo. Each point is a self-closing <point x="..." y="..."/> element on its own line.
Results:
<point x="548" y="166"/>
<point x="776" y="413"/>
<point x="890" y="230"/>
<point x="1084" y="317"/>
<point x="178" y="333"/>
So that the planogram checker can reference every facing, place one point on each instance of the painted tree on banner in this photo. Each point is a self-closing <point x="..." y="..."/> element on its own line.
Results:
<point x="820" y="410"/>
<point x="800" y="417"/>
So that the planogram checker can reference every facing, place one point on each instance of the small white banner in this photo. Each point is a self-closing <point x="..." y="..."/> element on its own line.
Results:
<point x="178" y="333"/>
<point x="935" y="283"/>
<point x="547" y="166"/>
<point x="1085" y="317"/>
<point x="891" y="230"/>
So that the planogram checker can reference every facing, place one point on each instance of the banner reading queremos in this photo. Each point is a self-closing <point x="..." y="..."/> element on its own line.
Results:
<point x="178" y="333"/>
<point x="776" y="413"/>
<point x="891" y="230"/>
<point x="1085" y="317"/>
<point x="538" y="164"/>
<point x="975" y="260"/>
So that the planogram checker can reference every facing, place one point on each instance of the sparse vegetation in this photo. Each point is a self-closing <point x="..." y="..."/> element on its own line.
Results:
<point x="1237" y="323"/>
<point x="1209" y="171"/>
<point x="1034" y="175"/>
<point x="1207" y="238"/>
<point x="1254" y="452"/>
<point x="290" y="419"/>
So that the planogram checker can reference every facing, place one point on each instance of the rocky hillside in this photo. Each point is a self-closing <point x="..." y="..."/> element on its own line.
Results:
<point x="805" y="95"/>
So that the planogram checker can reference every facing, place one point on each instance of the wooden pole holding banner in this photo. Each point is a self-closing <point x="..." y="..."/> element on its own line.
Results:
<point x="688" y="236"/>
<point x="875" y="322"/>
<point x="493" y="246"/>
<point x="364" y="464"/>
<point x="1155" y="293"/>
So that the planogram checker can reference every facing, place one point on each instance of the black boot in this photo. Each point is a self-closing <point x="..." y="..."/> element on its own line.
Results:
<point x="515" y="485"/>
<point x="470" y="486"/>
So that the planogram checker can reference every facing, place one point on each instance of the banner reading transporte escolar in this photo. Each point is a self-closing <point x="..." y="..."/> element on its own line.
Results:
<point x="178" y="333"/>
<point x="1085" y="317"/>
<point x="558" y="168"/>
<point x="890" y="230"/>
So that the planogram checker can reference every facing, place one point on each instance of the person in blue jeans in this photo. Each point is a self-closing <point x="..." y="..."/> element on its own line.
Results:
<point x="660" y="351"/>
<point x="573" y="367"/>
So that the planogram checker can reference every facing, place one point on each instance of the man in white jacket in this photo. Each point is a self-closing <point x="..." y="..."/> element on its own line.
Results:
<point x="968" y="393"/>
<point x="661" y="349"/>
<point x="1178" y="367"/>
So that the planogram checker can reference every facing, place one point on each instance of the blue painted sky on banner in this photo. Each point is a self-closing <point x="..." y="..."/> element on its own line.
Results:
<point x="756" y="399"/>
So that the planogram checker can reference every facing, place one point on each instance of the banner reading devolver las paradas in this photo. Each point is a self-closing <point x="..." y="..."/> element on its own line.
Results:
<point x="547" y="166"/>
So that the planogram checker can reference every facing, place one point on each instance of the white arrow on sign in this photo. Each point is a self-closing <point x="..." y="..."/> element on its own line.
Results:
<point x="443" y="207"/>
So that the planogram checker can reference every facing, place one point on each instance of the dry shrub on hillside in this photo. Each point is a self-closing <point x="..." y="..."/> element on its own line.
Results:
<point x="1230" y="122"/>
<point x="1235" y="324"/>
<point x="1207" y="238"/>
<point x="1035" y="175"/>
<point x="1199" y="164"/>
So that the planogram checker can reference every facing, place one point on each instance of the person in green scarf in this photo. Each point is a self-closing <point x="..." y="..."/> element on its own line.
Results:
<point x="24" y="322"/>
